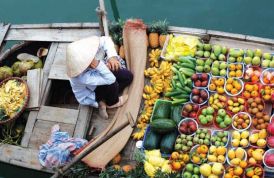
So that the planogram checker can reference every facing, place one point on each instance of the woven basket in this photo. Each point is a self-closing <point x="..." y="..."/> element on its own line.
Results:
<point x="25" y="103"/>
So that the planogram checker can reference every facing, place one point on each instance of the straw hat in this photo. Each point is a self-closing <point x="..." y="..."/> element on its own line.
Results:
<point x="80" y="54"/>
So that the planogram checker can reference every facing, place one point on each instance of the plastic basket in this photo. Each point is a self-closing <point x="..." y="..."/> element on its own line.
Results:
<point x="254" y="68"/>
<point x="270" y="151"/>
<point x="199" y="113"/>
<point x="228" y="136"/>
<point x="228" y="54"/>
<point x="248" y="124"/>
<point x="245" y="104"/>
<point x="229" y="94"/>
<point x="156" y="105"/>
<point x="216" y="124"/>
<point x="187" y="120"/>
<point x="236" y="63"/>
<point x="218" y="75"/>
<point x="254" y="165"/>
<point x="26" y="96"/>
<point x="244" y="159"/>
<point x="240" y="140"/>
<point x="194" y="86"/>
<point x="272" y="54"/>
<point x="213" y="91"/>
<point x="204" y="101"/>
<point x="192" y="106"/>
<point x="262" y="74"/>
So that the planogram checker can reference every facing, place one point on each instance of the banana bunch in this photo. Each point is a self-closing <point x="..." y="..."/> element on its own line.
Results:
<point x="154" y="57"/>
<point x="139" y="135"/>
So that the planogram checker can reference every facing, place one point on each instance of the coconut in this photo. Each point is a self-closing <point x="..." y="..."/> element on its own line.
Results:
<point x="5" y="72"/>
<point x="15" y="69"/>
<point x="24" y="66"/>
<point x="38" y="65"/>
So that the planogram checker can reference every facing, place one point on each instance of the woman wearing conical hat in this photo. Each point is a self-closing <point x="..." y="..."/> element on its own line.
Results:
<point x="97" y="74"/>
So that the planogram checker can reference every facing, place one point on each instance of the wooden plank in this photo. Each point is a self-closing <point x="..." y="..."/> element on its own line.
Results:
<point x="29" y="128"/>
<point x="186" y="30"/>
<point x="260" y="40"/>
<point x="58" y="72"/>
<point x="61" y="35"/>
<point x="23" y="157"/>
<point x="34" y="85"/>
<point x="54" y="114"/>
<point x="3" y="31"/>
<point x="226" y="34"/>
<point x="83" y="121"/>
<point x="42" y="132"/>
<point x="55" y="25"/>
<point x="230" y="43"/>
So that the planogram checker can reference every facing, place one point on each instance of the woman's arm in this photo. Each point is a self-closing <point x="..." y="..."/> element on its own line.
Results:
<point x="108" y="46"/>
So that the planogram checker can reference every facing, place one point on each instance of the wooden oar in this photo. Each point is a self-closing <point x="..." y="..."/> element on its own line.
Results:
<point x="64" y="170"/>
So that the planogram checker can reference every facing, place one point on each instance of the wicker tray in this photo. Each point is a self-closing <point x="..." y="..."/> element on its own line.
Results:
<point x="25" y="102"/>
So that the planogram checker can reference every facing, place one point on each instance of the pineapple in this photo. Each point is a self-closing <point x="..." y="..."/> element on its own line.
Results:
<point x="163" y="30"/>
<point x="153" y="37"/>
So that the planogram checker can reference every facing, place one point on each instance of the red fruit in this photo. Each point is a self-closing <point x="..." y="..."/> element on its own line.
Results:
<point x="204" y="83"/>
<point x="204" y="77"/>
<point x="195" y="77"/>
<point x="195" y="99"/>
<point x="204" y="95"/>
<point x="269" y="159"/>
<point x="184" y="113"/>
<point x="195" y="107"/>
<point x="184" y="124"/>
<point x="198" y="83"/>
<point x="195" y="91"/>
<point x="193" y="115"/>
<point x="270" y="141"/>
<point x="270" y="128"/>
<point x="183" y="129"/>
<point x="200" y="100"/>
<point x="193" y="128"/>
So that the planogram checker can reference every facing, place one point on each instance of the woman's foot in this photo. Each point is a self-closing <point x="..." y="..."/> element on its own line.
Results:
<point x="121" y="102"/>
<point x="103" y="110"/>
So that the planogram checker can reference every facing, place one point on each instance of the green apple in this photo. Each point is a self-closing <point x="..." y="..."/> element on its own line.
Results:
<point x="267" y="56"/>
<point x="247" y="60"/>
<point x="221" y="112"/>
<point x="207" y="47"/>
<point x="203" y="120"/>
<point x="222" y="125"/>
<point x="199" y="53"/>
<point x="240" y="59"/>
<point x="204" y="112"/>
<point x="215" y="71"/>
<point x="231" y="59"/>
<point x="199" y="69"/>
<point x="227" y="121"/>
<point x="209" y="118"/>
<point x="219" y="119"/>
<point x="209" y="110"/>
<point x="256" y="60"/>
<point x="249" y="53"/>
<point x="223" y="65"/>
<point x="258" y="52"/>
<point x="196" y="170"/>
<point x="223" y="72"/>
<point x="206" y="68"/>
<point x="189" y="167"/>
<point x="265" y="63"/>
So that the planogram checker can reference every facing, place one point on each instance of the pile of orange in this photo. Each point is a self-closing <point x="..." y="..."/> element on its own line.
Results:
<point x="266" y="92"/>
<point x="217" y="84"/>
<point x="235" y="70"/>
<point x="199" y="155"/>
<point x="233" y="86"/>
<point x="178" y="160"/>
<point x="251" y="90"/>
<point x="236" y="171"/>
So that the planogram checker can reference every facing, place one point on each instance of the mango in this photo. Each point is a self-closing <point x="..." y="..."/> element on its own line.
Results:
<point x="240" y="153"/>
<point x="254" y="138"/>
<point x="212" y="158"/>
<point x="257" y="155"/>
<point x="235" y="161"/>
<point x="244" y="142"/>
<point x="235" y="142"/>
<point x="262" y="134"/>
<point x="244" y="134"/>
<point x="236" y="135"/>
<point x="231" y="154"/>
<point x="261" y="142"/>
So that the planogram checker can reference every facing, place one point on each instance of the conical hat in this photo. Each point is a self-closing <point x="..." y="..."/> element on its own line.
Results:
<point x="80" y="54"/>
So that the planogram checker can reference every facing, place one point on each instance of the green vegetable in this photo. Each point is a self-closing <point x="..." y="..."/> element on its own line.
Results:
<point x="188" y="65"/>
<point x="173" y="93"/>
<point x="179" y="101"/>
<point x="161" y="109"/>
<point x="168" y="141"/>
<point x="176" y="113"/>
<point x="188" y="72"/>
<point x="163" y="126"/>
<point x="152" y="140"/>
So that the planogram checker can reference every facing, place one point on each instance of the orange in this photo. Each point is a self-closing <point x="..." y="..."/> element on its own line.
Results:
<point x="117" y="159"/>
<point x="254" y="93"/>
<point x="212" y="87"/>
<point x="228" y="175"/>
<point x="127" y="168"/>
<point x="248" y="87"/>
<point x="254" y="78"/>
<point x="175" y="155"/>
<point x="221" y="150"/>
<point x="234" y="91"/>
<point x="228" y="87"/>
<point x="243" y="164"/>
<point x="204" y="149"/>
<point x="176" y="165"/>
<point x="238" y="86"/>
<point x="221" y="81"/>
<point x="229" y="80"/>
<point x="196" y="159"/>
<point x="232" y="66"/>
<point x="239" y="73"/>
<point x="232" y="74"/>
<point x="239" y="67"/>
<point x="238" y="171"/>
<point x="220" y="90"/>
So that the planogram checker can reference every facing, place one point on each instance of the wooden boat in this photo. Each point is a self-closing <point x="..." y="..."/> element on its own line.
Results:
<point x="72" y="117"/>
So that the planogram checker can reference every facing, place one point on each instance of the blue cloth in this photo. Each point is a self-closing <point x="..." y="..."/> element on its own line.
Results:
<point x="57" y="151"/>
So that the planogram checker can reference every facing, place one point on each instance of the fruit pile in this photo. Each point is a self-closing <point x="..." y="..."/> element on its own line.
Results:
<point x="255" y="105"/>
<point x="218" y="68"/>
<point x="233" y="86"/>
<point x="254" y="171"/>
<point x="200" y="80"/>
<point x="258" y="138"/>
<point x="217" y="101"/>
<point x="240" y="139"/>
<point x="188" y="126"/>
<point x="251" y="90"/>
<point x="241" y="121"/>
<point x="191" y="171"/>
<point x="183" y="143"/>
<point x="223" y="119"/>
<point x="203" y="65"/>
<point x="198" y="154"/>
<point x="217" y="84"/>
<point x="178" y="160"/>
<point x="212" y="170"/>
<point x="216" y="154"/>
<point x="235" y="55"/>
<point x="199" y="96"/>
<point x="235" y="156"/>
<point x="190" y="110"/>
<point x="236" y="104"/>
<point x="253" y="57"/>
<point x="252" y="74"/>
<point x="266" y="92"/>
<point x="268" y="60"/>
<point x="206" y="115"/>
<point x="235" y="70"/>
<point x="220" y="138"/>
<point x="255" y="156"/>
<point x="202" y="136"/>
<point x="268" y="77"/>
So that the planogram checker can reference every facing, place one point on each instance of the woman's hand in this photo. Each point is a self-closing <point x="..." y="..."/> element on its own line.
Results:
<point x="94" y="64"/>
<point x="113" y="64"/>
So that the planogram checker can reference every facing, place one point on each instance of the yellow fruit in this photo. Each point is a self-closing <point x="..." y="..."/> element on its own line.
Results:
<point x="212" y="149"/>
<point x="243" y="164"/>
<point x="261" y="142"/>
<point x="211" y="158"/>
<point x="231" y="154"/>
<point x="236" y="135"/>
<point x="205" y="169"/>
<point x="153" y="39"/>
<point x="221" y="159"/>
<point x="228" y="87"/>
<point x="235" y="142"/>
<point x="245" y="134"/>
<point x="255" y="176"/>
<point x="227" y="175"/>
<point x="257" y="155"/>
<point x="244" y="142"/>
<point x="254" y="138"/>
<point x="262" y="134"/>
<point x="220" y="90"/>
<point x="239" y="73"/>
<point x="252" y="161"/>
<point x="258" y="171"/>
<point x="232" y="67"/>
<point x="229" y="80"/>
<point x="238" y="171"/>
<point x="221" y="150"/>
<point x="249" y="172"/>
<point x="217" y="169"/>
<point x="232" y="74"/>
<point x="212" y="176"/>
<point x="196" y="159"/>
<point x="235" y="161"/>
<point x="240" y="153"/>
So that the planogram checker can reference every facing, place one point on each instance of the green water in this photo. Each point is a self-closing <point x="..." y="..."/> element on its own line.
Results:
<point x="251" y="17"/>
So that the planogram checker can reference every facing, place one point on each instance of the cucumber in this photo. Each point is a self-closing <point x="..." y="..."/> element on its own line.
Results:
<point x="173" y="93"/>
<point x="179" y="85"/>
<point x="187" y="72"/>
<point x="163" y="126"/>
<point x="188" y="65"/>
<point x="167" y="142"/>
<point x="152" y="140"/>
<point x="187" y="89"/>
<point x="176" y="113"/>
<point x="180" y="78"/>
<point x="188" y="60"/>
<point x="181" y="96"/>
<point x="179" y="101"/>
<point x="174" y="69"/>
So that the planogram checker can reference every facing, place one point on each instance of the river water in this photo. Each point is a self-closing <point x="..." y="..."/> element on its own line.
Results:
<point x="251" y="17"/>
